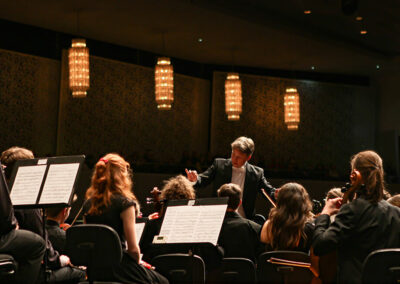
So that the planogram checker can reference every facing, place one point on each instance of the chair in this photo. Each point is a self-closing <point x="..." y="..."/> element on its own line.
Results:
<point x="237" y="270"/>
<point x="281" y="272"/>
<point x="180" y="268"/>
<point x="382" y="266"/>
<point x="259" y="219"/>
<point x="8" y="267"/>
<point x="95" y="246"/>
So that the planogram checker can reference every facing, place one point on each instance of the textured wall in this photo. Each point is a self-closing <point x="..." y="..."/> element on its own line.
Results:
<point x="29" y="88"/>
<point x="336" y="121"/>
<point x="120" y="114"/>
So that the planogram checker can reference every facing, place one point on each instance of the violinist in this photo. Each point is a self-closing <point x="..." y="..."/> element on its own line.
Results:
<point x="365" y="224"/>
<point x="55" y="217"/>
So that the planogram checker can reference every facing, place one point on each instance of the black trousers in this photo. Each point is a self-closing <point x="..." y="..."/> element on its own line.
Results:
<point x="28" y="249"/>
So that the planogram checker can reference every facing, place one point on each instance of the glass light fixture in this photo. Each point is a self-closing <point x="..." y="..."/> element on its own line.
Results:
<point x="233" y="96"/>
<point x="292" y="108"/>
<point x="78" y="58"/>
<point x="164" y="83"/>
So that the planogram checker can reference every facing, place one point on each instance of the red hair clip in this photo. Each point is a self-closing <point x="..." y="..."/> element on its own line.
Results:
<point x="104" y="160"/>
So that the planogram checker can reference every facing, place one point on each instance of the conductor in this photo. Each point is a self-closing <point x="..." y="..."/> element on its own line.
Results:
<point x="236" y="170"/>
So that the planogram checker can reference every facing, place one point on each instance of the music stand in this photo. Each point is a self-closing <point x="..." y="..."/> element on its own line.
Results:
<point x="43" y="183"/>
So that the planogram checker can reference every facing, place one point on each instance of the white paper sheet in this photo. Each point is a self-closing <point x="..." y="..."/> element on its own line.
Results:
<point x="193" y="224"/>
<point x="139" y="227"/>
<point x="27" y="184"/>
<point x="59" y="183"/>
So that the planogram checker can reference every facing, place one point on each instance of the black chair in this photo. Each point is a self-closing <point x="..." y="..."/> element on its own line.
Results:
<point x="95" y="246"/>
<point x="237" y="270"/>
<point x="180" y="268"/>
<point x="382" y="266"/>
<point x="259" y="219"/>
<point x="8" y="267"/>
<point x="282" y="271"/>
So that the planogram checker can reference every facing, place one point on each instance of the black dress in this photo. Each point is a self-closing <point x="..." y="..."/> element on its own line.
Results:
<point x="128" y="271"/>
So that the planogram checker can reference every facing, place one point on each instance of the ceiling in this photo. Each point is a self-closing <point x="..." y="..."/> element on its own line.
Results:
<point x="253" y="33"/>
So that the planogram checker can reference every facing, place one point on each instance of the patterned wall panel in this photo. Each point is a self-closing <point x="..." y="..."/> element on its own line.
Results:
<point x="28" y="101"/>
<point x="119" y="114"/>
<point x="328" y="133"/>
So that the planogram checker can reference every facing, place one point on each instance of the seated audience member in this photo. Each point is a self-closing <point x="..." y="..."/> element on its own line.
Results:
<point x="55" y="217"/>
<point x="394" y="200"/>
<point x="112" y="202"/>
<point x="59" y="266"/>
<point x="26" y="247"/>
<point x="289" y="225"/>
<point x="365" y="224"/>
<point x="239" y="237"/>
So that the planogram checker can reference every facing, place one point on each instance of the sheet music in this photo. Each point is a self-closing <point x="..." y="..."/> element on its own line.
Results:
<point x="27" y="184"/>
<point x="193" y="224"/>
<point x="139" y="227"/>
<point x="59" y="183"/>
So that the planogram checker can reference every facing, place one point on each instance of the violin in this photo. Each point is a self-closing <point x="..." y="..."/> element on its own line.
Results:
<point x="351" y="188"/>
<point x="156" y="201"/>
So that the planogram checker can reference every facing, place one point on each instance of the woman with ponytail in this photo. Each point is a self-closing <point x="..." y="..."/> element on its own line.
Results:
<point x="110" y="201"/>
<point x="289" y="224"/>
<point x="366" y="224"/>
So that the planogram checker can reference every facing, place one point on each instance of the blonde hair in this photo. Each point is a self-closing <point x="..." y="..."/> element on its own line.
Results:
<point x="178" y="187"/>
<point x="111" y="176"/>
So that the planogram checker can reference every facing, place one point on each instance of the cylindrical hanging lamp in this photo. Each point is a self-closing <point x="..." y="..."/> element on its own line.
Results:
<point x="292" y="108"/>
<point x="233" y="96"/>
<point x="164" y="83"/>
<point x="78" y="57"/>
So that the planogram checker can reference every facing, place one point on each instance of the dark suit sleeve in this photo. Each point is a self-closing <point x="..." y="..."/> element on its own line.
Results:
<point x="207" y="176"/>
<point x="328" y="237"/>
<point x="264" y="184"/>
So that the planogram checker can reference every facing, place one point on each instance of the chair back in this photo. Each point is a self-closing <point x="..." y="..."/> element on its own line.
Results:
<point x="180" y="268"/>
<point x="382" y="266"/>
<point x="281" y="272"/>
<point x="237" y="270"/>
<point x="95" y="246"/>
<point x="8" y="267"/>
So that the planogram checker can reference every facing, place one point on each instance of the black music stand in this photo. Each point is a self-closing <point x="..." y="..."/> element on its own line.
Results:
<point x="43" y="183"/>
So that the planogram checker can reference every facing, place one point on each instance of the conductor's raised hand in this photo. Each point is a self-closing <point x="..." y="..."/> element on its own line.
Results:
<point x="191" y="175"/>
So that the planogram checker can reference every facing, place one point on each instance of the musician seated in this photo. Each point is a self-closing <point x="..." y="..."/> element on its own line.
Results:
<point x="334" y="193"/>
<point x="111" y="202"/>
<point x="239" y="237"/>
<point x="365" y="224"/>
<point x="57" y="236"/>
<point x="25" y="247"/>
<point x="289" y="226"/>
<point x="176" y="188"/>
<point x="58" y="266"/>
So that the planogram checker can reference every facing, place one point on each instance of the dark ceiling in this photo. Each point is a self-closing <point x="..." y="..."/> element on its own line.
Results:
<point x="269" y="34"/>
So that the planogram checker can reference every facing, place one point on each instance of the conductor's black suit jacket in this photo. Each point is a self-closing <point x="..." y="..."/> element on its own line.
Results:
<point x="220" y="172"/>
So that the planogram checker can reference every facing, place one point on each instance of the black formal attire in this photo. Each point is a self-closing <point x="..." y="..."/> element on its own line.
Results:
<point x="240" y="237"/>
<point x="220" y="172"/>
<point x="57" y="236"/>
<point x="31" y="220"/>
<point x="26" y="247"/>
<point x="128" y="271"/>
<point x="305" y="241"/>
<point x="359" y="228"/>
